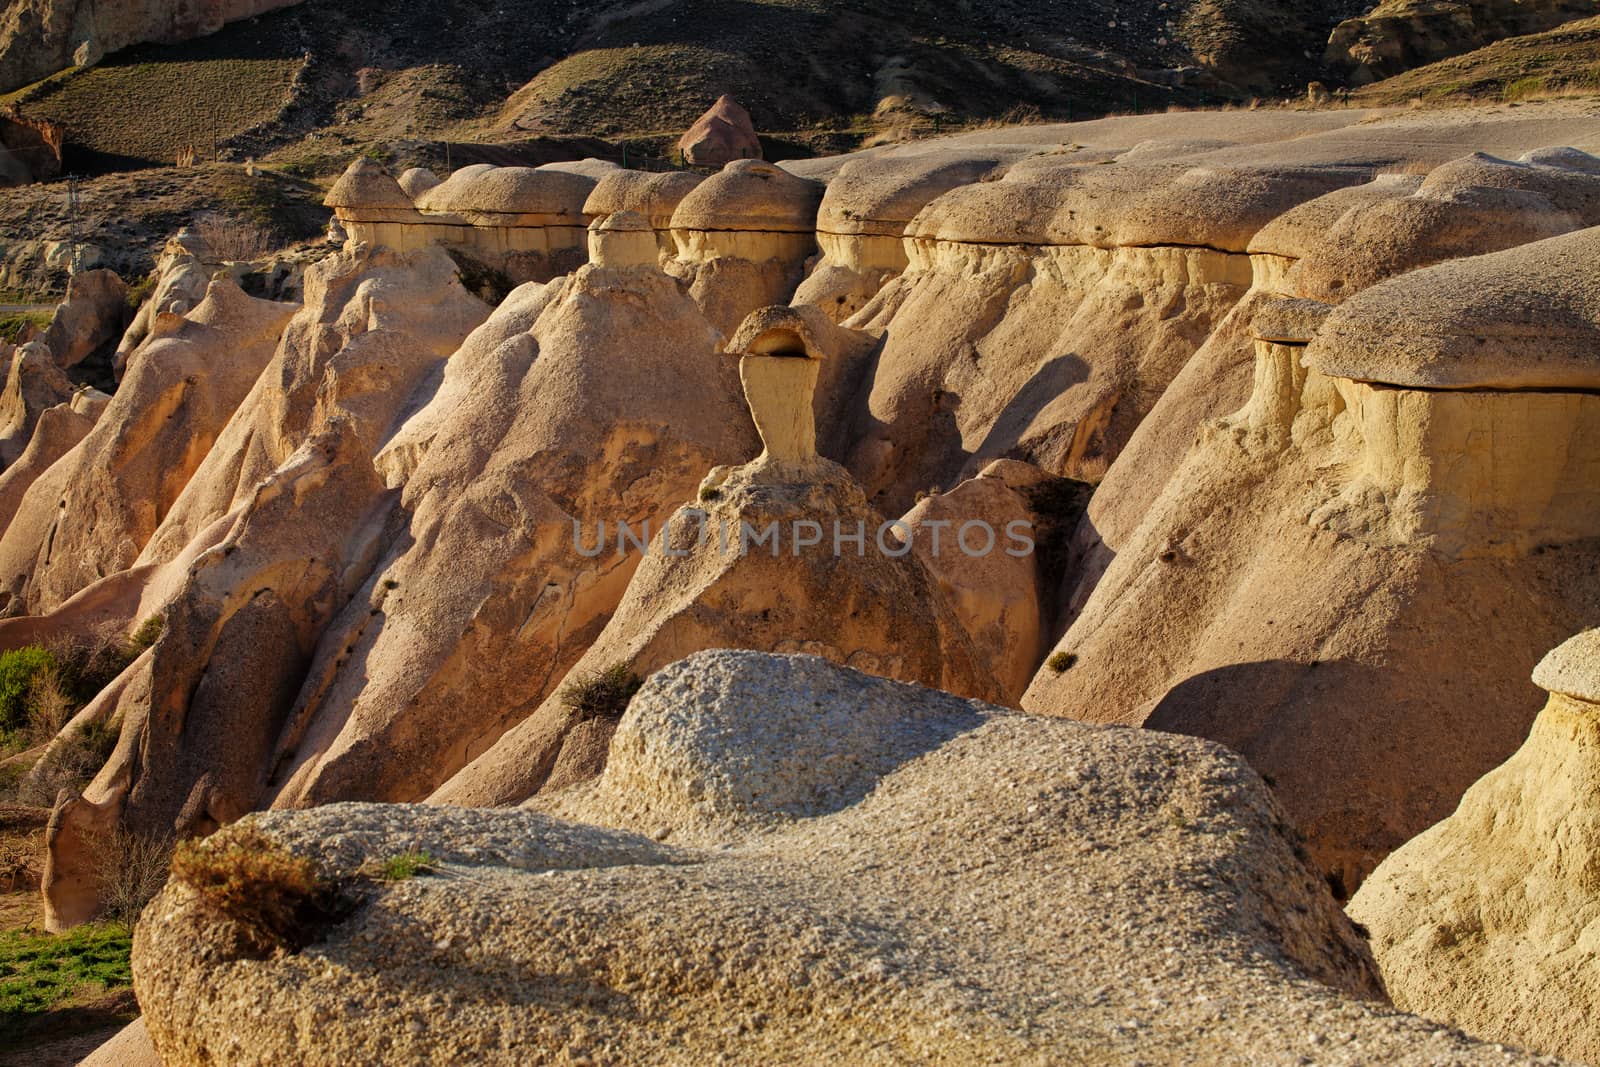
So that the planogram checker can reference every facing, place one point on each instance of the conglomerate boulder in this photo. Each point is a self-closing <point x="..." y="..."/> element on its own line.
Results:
<point x="792" y="861"/>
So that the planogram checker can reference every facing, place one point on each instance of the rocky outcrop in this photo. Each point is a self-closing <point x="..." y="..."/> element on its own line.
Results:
<point x="30" y="149"/>
<point x="596" y="400"/>
<point x="183" y="271"/>
<point x="181" y="387"/>
<point x="863" y="217"/>
<point x="525" y="222"/>
<point x="1400" y="34"/>
<point x="1482" y="921"/>
<point x="92" y="316"/>
<point x="1385" y="537"/>
<point x="40" y="37"/>
<point x="720" y="136"/>
<point x="34" y="382"/>
<point x="689" y="884"/>
<point x="274" y="536"/>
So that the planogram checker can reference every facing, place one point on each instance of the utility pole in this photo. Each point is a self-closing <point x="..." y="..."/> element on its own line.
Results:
<point x="74" y="234"/>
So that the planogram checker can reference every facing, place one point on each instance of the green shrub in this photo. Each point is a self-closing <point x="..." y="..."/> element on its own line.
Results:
<point x="142" y="290"/>
<point x="146" y="635"/>
<point x="20" y="669"/>
<point x="15" y="327"/>
<point x="1061" y="661"/>
<point x="407" y="865"/>
<point x="603" y="694"/>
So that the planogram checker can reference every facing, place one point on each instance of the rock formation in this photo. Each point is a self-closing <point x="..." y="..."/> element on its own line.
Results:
<point x="374" y="530"/>
<point x="34" y="382"/>
<point x="1384" y="537"/>
<point x="91" y="317"/>
<point x="527" y="222"/>
<point x="782" y="554"/>
<point x="1482" y="921"/>
<point x="30" y="149"/>
<point x="654" y="195"/>
<point x="862" y="220"/>
<point x="596" y="400"/>
<point x="720" y="136"/>
<point x="182" y="385"/>
<point x="183" y="270"/>
<point x="791" y="859"/>
<point x="1044" y="314"/>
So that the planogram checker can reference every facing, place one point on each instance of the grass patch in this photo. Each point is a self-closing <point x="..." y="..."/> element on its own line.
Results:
<point x="146" y="635"/>
<point x="406" y="866"/>
<point x="40" y="972"/>
<point x="14" y="328"/>
<point x="603" y="694"/>
<point x="1523" y="89"/>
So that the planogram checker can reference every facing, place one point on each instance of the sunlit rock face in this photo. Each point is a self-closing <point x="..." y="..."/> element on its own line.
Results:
<point x="1402" y="515"/>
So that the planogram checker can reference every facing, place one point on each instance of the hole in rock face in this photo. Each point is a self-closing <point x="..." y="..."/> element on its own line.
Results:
<point x="780" y="342"/>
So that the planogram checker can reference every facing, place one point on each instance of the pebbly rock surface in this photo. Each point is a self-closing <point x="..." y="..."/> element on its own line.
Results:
<point x="788" y="861"/>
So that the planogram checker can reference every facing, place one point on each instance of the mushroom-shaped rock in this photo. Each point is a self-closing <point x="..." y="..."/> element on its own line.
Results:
<point x="724" y="133"/>
<point x="1527" y="319"/>
<point x="1057" y="200"/>
<point x="748" y="194"/>
<point x="1485" y="921"/>
<point x="1288" y="320"/>
<point x="1572" y="669"/>
<point x="535" y="196"/>
<point x="595" y="169"/>
<point x="623" y="239"/>
<point x="743" y="237"/>
<point x="366" y="192"/>
<point x="838" y="356"/>
<point x="417" y="180"/>
<point x="655" y="195"/>
<point x="1466" y="207"/>
<point x="779" y="370"/>
<point x="864" y="214"/>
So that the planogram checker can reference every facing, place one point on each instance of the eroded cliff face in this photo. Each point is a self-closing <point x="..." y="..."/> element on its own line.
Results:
<point x="40" y="37"/>
<point x="1409" y="512"/>
<point x="1482" y="920"/>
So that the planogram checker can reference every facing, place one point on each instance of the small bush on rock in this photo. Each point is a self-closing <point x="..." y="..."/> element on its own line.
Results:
<point x="603" y="694"/>
<point x="275" y="897"/>
<point x="1061" y="661"/>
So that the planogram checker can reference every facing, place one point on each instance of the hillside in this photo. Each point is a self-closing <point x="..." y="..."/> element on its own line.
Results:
<point x="1559" y="61"/>
<point x="323" y="72"/>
